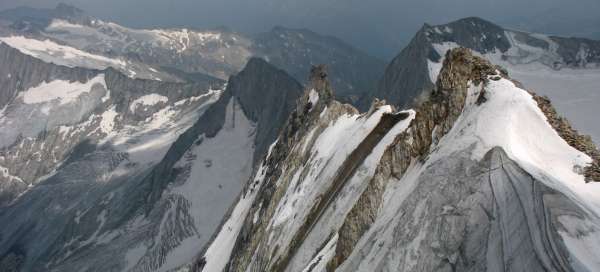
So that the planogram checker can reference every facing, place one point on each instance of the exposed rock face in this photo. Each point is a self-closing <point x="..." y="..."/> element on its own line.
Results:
<point x="305" y="116"/>
<point x="433" y="120"/>
<point x="406" y="77"/>
<point x="264" y="93"/>
<point x="267" y="96"/>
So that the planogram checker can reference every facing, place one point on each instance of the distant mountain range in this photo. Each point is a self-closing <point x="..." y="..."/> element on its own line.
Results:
<point x="217" y="52"/>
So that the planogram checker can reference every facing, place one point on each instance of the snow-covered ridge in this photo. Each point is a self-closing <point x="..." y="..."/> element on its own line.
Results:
<point x="160" y="47"/>
<point x="47" y="49"/>
<point x="178" y="39"/>
<point x="432" y="183"/>
<point x="574" y="91"/>
<point x="52" y="52"/>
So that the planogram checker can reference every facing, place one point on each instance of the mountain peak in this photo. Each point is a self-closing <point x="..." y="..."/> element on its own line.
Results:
<point x="472" y="32"/>
<point x="68" y="9"/>
<point x="267" y="95"/>
<point x="474" y="20"/>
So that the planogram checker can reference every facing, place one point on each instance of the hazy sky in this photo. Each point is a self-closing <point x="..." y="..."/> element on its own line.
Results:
<point x="380" y="27"/>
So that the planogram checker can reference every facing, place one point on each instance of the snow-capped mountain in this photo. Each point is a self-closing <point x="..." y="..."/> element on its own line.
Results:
<point x="480" y="176"/>
<point x="102" y="171"/>
<point x="565" y="69"/>
<point x="217" y="52"/>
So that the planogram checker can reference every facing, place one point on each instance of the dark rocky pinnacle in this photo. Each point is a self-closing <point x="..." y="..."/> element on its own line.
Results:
<point x="320" y="82"/>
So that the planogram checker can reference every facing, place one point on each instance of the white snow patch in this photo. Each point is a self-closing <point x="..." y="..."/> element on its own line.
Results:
<point x="148" y="100"/>
<point x="434" y="69"/>
<point x="4" y="172"/>
<point x="313" y="97"/>
<point x="60" y="90"/>
<point x="108" y="120"/>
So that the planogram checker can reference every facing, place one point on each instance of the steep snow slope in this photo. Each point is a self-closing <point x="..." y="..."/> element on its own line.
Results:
<point x="475" y="178"/>
<point x="213" y="171"/>
<point x="565" y="69"/>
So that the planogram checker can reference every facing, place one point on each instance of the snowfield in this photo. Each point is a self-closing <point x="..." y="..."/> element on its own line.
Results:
<point x="51" y="52"/>
<point x="60" y="90"/>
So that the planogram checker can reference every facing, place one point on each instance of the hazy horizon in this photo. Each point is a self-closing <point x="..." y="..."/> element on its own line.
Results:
<point x="380" y="27"/>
